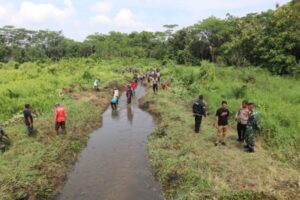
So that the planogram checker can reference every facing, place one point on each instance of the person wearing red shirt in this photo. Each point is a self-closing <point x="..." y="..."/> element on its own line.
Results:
<point x="133" y="86"/>
<point x="60" y="118"/>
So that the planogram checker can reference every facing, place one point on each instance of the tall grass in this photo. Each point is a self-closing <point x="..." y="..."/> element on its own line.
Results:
<point x="277" y="99"/>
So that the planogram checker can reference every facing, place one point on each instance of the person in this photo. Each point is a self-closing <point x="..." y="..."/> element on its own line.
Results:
<point x="242" y="119"/>
<point x="252" y="127"/>
<point x="113" y="103"/>
<point x="158" y="75"/>
<point x="133" y="86"/>
<point x="129" y="94"/>
<point x="116" y="93"/>
<point x="222" y="115"/>
<point x="155" y="85"/>
<point x="2" y="141"/>
<point x="164" y="86"/>
<point x="60" y="118"/>
<point x="28" y="119"/>
<point x="199" y="110"/>
<point x="96" y="84"/>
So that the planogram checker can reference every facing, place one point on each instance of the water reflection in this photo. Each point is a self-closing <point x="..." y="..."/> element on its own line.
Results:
<point x="129" y="114"/>
<point x="115" y="114"/>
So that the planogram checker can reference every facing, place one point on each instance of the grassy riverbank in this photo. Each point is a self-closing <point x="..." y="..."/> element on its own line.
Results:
<point x="33" y="167"/>
<point x="190" y="167"/>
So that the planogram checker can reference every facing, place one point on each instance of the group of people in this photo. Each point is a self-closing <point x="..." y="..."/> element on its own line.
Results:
<point x="130" y="92"/>
<point x="153" y="78"/>
<point x="59" y="118"/>
<point x="247" y="119"/>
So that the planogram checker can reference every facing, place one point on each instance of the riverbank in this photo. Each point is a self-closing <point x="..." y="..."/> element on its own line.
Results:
<point x="35" y="166"/>
<point x="189" y="166"/>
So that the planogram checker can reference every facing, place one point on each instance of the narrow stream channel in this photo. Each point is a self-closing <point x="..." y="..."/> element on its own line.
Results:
<point x="114" y="165"/>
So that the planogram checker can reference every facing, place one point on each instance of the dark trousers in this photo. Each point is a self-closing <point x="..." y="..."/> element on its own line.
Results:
<point x="128" y="100"/>
<point x="198" y="120"/>
<point x="155" y="88"/>
<point x="241" y="129"/>
<point x="113" y="106"/>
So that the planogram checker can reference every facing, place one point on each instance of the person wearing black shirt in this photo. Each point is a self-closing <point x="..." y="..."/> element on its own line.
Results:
<point x="199" y="111"/>
<point x="222" y="115"/>
<point x="28" y="119"/>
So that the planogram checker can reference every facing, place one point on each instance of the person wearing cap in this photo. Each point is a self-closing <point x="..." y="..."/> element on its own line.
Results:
<point x="60" y="118"/>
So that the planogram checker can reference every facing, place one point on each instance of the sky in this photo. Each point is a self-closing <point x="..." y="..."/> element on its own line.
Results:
<point x="80" y="18"/>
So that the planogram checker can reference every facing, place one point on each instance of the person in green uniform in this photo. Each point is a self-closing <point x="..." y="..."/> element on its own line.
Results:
<point x="252" y="127"/>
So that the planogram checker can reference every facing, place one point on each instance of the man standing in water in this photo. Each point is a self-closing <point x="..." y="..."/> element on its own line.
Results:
<point x="252" y="127"/>
<point x="28" y="119"/>
<point x="129" y="94"/>
<point x="222" y="115"/>
<point x="114" y="103"/>
<point x="60" y="117"/>
<point x="199" y="111"/>
<point x="116" y="94"/>
<point x="242" y="119"/>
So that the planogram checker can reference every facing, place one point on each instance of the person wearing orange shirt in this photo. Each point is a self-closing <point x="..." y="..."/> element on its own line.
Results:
<point x="60" y="118"/>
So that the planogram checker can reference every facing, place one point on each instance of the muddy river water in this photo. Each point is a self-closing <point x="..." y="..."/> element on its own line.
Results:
<point x="114" y="165"/>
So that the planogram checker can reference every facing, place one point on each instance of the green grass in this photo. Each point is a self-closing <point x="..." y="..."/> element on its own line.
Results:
<point x="277" y="100"/>
<point x="35" y="166"/>
<point x="191" y="167"/>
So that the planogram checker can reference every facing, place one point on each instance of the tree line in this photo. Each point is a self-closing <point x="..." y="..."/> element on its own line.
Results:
<point x="270" y="39"/>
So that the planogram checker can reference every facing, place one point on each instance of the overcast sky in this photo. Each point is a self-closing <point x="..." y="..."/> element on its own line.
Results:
<point x="79" y="18"/>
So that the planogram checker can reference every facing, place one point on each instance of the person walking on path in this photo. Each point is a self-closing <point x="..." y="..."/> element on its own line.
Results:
<point x="242" y="119"/>
<point x="60" y="118"/>
<point x="28" y="119"/>
<point x="252" y="127"/>
<point x="199" y="110"/>
<point x="155" y="85"/>
<point x="222" y="115"/>
<point x="129" y="94"/>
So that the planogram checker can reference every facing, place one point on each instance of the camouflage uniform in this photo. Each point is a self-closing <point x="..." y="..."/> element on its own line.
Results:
<point x="252" y="128"/>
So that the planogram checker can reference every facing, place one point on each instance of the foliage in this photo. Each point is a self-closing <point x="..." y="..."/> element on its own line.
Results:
<point x="269" y="39"/>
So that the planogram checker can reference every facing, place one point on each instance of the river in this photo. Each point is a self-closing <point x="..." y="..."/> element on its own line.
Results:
<point x="114" y="165"/>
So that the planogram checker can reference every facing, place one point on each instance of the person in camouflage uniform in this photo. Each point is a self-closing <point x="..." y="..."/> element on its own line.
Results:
<point x="252" y="127"/>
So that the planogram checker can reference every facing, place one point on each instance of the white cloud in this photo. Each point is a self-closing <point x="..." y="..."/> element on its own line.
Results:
<point x="100" y="20"/>
<point x="125" y="19"/>
<point x="102" y="7"/>
<point x="2" y="11"/>
<point x="37" y="13"/>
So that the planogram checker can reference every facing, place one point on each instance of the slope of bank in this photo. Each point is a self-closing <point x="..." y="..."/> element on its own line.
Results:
<point x="189" y="166"/>
<point x="33" y="167"/>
